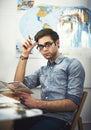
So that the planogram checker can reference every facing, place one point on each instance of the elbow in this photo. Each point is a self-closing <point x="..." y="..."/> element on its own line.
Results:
<point x="74" y="106"/>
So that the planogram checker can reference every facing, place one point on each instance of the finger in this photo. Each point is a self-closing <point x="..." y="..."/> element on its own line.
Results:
<point x="28" y="43"/>
<point x="24" y="46"/>
<point x="17" y="92"/>
<point x="35" y="43"/>
<point x="22" y="101"/>
<point x="21" y="97"/>
<point x="30" y="38"/>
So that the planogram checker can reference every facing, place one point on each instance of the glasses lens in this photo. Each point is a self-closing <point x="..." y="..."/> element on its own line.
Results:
<point x="47" y="44"/>
<point x="39" y="47"/>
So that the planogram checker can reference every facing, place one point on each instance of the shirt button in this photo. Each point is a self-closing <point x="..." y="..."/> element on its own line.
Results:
<point x="46" y="97"/>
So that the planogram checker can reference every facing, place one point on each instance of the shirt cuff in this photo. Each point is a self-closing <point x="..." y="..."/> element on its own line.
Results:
<point x="74" y="98"/>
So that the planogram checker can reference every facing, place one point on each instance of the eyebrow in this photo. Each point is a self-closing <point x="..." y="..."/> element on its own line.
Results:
<point x="46" y="42"/>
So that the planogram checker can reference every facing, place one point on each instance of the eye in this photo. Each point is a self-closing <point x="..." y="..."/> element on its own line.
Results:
<point x="40" y="47"/>
<point x="47" y="44"/>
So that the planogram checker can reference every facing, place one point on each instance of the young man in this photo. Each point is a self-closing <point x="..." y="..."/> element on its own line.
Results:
<point x="61" y="82"/>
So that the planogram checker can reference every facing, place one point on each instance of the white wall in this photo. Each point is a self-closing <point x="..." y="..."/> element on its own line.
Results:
<point x="8" y="10"/>
<point x="86" y="3"/>
<point x="8" y="60"/>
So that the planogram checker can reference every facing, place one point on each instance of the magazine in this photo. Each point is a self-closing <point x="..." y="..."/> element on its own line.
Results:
<point x="4" y="86"/>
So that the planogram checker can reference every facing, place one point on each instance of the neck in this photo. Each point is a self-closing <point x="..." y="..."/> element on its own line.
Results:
<point x="54" y="57"/>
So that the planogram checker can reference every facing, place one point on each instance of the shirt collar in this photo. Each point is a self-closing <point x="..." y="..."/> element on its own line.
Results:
<point x="57" y="61"/>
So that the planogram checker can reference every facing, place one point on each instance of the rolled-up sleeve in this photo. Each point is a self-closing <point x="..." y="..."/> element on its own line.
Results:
<point x="32" y="80"/>
<point x="76" y="77"/>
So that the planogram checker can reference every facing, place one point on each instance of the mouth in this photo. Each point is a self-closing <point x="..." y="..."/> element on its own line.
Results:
<point x="46" y="55"/>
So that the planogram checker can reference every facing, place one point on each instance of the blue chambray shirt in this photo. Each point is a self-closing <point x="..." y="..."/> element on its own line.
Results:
<point x="63" y="79"/>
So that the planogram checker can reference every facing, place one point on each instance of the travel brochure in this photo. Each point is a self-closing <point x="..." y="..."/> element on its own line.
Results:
<point x="4" y="86"/>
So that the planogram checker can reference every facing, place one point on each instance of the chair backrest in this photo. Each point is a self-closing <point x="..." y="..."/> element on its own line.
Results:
<point x="77" y="119"/>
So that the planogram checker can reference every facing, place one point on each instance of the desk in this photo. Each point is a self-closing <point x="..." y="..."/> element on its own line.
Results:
<point x="11" y="109"/>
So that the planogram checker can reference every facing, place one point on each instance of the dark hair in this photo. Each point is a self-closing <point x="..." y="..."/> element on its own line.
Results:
<point x="46" y="32"/>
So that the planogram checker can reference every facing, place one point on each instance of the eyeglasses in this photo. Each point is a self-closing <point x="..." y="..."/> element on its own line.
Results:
<point x="46" y="44"/>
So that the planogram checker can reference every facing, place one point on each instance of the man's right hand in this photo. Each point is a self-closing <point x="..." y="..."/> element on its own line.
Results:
<point x="27" y="47"/>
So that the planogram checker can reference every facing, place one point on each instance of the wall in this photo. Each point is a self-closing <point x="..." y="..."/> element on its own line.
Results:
<point x="7" y="46"/>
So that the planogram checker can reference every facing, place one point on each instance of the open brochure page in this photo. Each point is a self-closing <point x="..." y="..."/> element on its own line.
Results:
<point x="15" y="86"/>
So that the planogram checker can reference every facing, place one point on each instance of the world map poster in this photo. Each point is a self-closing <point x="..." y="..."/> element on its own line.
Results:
<point x="73" y="24"/>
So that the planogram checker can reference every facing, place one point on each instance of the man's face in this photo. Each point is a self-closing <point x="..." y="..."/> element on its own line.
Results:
<point x="47" y="47"/>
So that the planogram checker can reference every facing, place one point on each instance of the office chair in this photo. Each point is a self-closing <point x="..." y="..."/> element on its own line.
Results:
<point x="78" y="119"/>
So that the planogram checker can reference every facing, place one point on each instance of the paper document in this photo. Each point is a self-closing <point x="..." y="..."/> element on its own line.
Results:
<point x="14" y="86"/>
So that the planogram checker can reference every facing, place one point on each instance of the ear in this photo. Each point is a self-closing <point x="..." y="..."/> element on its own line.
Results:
<point x="58" y="43"/>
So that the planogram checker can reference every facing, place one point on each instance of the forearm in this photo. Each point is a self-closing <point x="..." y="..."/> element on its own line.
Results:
<point x="20" y="71"/>
<point x="57" y="105"/>
<point x="26" y="50"/>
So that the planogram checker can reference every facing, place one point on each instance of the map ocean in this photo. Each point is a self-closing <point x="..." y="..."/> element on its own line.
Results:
<point x="75" y="31"/>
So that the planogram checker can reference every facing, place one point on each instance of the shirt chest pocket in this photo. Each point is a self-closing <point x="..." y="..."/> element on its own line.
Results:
<point x="60" y="77"/>
<point x="43" y="78"/>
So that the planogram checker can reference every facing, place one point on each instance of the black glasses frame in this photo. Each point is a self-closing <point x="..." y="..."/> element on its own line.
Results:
<point x="46" y="44"/>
